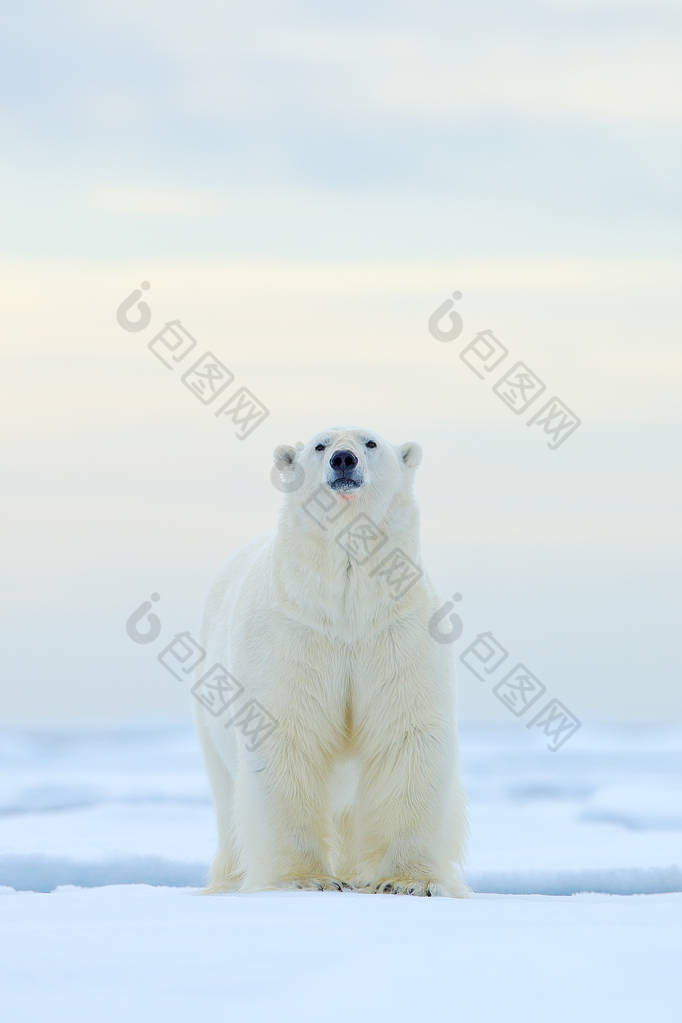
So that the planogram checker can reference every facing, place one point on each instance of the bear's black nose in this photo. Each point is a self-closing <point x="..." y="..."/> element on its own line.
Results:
<point x="342" y="460"/>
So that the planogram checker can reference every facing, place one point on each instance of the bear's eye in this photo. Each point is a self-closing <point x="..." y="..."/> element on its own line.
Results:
<point x="319" y="447"/>
<point x="370" y="444"/>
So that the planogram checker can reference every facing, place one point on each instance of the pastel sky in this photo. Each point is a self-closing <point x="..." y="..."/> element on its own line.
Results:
<point x="302" y="185"/>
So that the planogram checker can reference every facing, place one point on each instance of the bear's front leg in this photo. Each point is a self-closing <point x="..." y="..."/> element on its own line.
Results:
<point x="281" y="814"/>
<point x="411" y="816"/>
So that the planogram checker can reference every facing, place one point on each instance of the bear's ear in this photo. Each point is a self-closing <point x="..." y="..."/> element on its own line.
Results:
<point x="411" y="454"/>
<point x="284" y="457"/>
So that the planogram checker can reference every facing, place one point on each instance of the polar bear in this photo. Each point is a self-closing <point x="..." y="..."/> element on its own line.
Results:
<point x="322" y="629"/>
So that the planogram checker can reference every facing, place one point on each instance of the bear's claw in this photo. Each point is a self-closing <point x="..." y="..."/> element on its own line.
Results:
<point x="405" y="886"/>
<point x="322" y="884"/>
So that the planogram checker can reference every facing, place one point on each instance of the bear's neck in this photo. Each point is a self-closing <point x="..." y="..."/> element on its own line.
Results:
<point x="335" y="574"/>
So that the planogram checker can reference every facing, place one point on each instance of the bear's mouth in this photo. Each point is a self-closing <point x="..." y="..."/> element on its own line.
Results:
<point x="343" y="483"/>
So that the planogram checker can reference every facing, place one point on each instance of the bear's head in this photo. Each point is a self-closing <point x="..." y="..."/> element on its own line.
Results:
<point x="344" y="464"/>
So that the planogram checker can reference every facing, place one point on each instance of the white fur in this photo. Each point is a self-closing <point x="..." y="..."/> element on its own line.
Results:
<point x="358" y="785"/>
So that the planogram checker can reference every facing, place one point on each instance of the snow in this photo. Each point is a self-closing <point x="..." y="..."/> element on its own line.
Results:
<point x="575" y="858"/>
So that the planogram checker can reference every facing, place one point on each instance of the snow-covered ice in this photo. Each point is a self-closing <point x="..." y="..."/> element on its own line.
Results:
<point x="576" y="859"/>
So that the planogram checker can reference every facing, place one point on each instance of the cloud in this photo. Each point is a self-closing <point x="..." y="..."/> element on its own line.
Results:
<point x="155" y="202"/>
